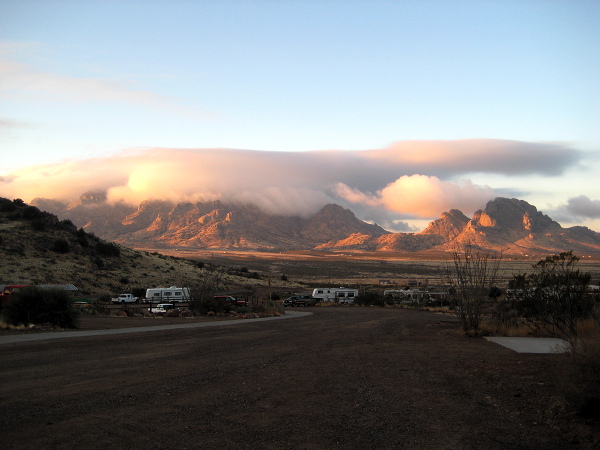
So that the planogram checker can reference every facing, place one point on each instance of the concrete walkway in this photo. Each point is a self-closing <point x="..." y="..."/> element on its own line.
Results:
<point x="532" y="344"/>
<point x="18" y="338"/>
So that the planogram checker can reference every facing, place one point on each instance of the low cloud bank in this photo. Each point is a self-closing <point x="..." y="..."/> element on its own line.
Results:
<point x="577" y="209"/>
<point x="404" y="181"/>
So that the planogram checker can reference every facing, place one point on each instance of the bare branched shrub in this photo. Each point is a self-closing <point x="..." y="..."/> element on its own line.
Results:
<point x="202" y="292"/>
<point x="472" y="274"/>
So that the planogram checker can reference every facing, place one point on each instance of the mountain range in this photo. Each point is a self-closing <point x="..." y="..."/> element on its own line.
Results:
<point x="509" y="225"/>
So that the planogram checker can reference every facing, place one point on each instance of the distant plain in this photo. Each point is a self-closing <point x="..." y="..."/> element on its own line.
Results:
<point x="361" y="268"/>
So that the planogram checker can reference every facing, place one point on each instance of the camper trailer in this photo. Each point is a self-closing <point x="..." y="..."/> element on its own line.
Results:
<point x="172" y="294"/>
<point x="338" y="295"/>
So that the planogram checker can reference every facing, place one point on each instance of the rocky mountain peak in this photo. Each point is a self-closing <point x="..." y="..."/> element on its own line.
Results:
<point x="449" y="225"/>
<point x="89" y="198"/>
<point x="512" y="216"/>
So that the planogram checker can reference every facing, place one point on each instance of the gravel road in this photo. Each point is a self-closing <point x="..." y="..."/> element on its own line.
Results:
<point x="343" y="377"/>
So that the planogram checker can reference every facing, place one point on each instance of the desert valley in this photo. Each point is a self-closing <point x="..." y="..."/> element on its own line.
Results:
<point x="163" y="244"/>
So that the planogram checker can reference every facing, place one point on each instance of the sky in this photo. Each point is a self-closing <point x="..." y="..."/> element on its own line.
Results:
<point x="397" y="110"/>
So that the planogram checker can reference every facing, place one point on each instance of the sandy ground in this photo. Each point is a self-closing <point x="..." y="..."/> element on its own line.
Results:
<point x="343" y="377"/>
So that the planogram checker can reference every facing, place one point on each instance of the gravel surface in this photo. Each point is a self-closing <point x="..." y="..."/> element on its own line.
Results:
<point x="344" y="377"/>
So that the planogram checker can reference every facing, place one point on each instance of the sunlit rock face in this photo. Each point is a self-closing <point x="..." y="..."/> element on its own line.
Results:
<point x="508" y="225"/>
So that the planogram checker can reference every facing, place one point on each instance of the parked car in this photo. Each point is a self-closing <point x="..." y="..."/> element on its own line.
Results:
<point x="228" y="301"/>
<point x="298" y="300"/>
<point x="162" y="308"/>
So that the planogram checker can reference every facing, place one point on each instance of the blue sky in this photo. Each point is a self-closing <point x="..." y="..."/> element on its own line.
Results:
<point x="91" y="79"/>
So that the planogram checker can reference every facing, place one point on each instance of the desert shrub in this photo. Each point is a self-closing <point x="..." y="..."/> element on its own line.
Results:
<point x="370" y="298"/>
<point x="124" y="280"/>
<point x="554" y="299"/>
<point x="173" y="313"/>
<point x="505" y="316"/>
<point x="107" y="249"/>
<point x="82" y="240"/>
<point x="104" y="298"/>
<point x="31" y="213"/>
<point x="38" y="224"/>
<point x="33" y="305"/>
<point x="98" y="306"/>
<point x="204" y="305"/>
<point x="67" y="225"/>
<point x="7" y="205"/>
<point x="99" y="262"/>
<point x="203" y="294"/>
<point x="578" y="380"/>
<point x="61" y="246"/>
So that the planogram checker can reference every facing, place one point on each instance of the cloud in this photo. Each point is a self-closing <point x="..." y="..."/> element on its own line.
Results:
<point x="404" y="181"/>
<point x="22" y="81"/>
<point x="583" y="207"/>
<point x="513" y="158"/>
<point x="9" y="124"/>
<point x="421" y="196"/>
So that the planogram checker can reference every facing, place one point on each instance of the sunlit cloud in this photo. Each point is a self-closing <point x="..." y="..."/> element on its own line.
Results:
<point x="421" y="196"/>
<point x="397" y="183"/>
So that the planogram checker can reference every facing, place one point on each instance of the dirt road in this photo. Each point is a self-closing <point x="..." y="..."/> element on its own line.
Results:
<point x="342" y="378"/>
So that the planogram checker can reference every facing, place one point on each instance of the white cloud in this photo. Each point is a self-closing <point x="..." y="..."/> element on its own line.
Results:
<point x="421" y="196"/>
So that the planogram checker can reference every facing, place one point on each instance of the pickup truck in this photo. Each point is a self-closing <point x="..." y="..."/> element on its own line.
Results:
<point x="161" y="308"/>
<point x="125" y="298"/>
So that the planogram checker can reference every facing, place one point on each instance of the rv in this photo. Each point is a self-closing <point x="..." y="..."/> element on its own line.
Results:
<point x="172" y="294"/>
<point x="338" y="295"/>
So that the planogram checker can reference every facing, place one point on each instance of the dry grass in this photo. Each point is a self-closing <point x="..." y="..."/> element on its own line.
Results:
<point x="26" y="258"/>
<point x="6" y="326"/>
<point x="500" y="329"/>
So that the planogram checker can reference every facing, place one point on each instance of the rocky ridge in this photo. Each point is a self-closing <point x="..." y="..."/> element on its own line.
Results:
<point x="508" y="225"/>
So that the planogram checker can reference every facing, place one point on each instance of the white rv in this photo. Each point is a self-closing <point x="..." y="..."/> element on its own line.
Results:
<point x="172" y="294"/>
<point x="339" y="295"/>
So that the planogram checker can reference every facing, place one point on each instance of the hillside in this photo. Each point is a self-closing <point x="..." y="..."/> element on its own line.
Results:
<point x="38" y="248"/>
